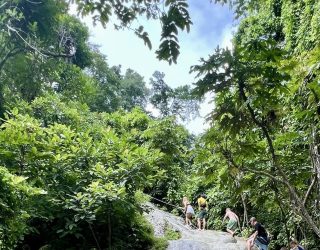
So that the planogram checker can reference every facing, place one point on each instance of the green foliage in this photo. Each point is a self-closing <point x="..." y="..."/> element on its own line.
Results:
<point x="73" y="176"/>
<point x="258" y="153"/>
<point x="92" y="167"/>
<point x="171" y="234"/>
<point x="173" y="16"/>
<point x="134" y="90"/>
<point x="43" y="49"/>
<point x="160" y="244"/>
<point x="16" y="209"/>
<point x="173" y="142"/>
<point x="179" y="102"/>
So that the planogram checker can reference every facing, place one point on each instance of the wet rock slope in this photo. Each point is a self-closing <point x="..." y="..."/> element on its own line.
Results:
<point x="190" y="239"/>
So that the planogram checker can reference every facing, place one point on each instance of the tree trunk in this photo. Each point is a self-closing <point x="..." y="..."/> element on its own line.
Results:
<point x="245" y="210"/>
<point x="109" y="228"/>
<point x="94" y="236"/>
<point x="302" y="210"/>
<point x="315" y="156"/>
<point x="298" y="202"/>
<point x="2" y="109"/>
<point x="283" y="214"/>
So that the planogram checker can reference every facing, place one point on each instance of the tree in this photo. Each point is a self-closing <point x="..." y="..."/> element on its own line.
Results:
<point x="179" y="102"/>
<point x="90" y="165"/>
<point x="134" y="90"/>
<point x="108" y="96"/>
<point x="39" y="42"/>
<point x="161" y="93"/>
<point x="264" y="103"/>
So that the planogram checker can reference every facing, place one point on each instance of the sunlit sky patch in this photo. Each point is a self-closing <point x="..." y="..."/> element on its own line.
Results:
<point x="212" y="26"/>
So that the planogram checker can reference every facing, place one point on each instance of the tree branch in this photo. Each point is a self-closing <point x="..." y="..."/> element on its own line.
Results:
<point x="33" y="48"/>
<point x="260" y="172"/>
<point x="309" y="191"/>
<point x="2" y="5"/>
<point x="296" y="198"/>
<point x="311" y="75"/>
<point x="227" y="155"/>
<point x="261" y="125"/>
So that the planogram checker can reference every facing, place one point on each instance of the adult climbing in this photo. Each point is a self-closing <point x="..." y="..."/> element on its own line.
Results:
<point x="259" y="236"/>
<point x="203" y="211"/>
<point x="233" y="222"/>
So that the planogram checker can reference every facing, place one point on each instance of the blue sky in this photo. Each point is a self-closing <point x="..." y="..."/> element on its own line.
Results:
<point x="212" y="26"/>
<point x="210" y="21"/>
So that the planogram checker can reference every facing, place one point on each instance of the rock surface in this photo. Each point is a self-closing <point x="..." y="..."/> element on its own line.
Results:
<point x="191" y="239"/>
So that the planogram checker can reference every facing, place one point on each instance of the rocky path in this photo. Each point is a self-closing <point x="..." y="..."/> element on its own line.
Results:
<point x="191" y="239"/>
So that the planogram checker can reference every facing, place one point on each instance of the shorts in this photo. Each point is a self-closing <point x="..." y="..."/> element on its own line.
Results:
<point x="189" y="216"/>
<point x="232" y="225"/>
<point x="260" y="245"/>
<point x="202" y="214"/>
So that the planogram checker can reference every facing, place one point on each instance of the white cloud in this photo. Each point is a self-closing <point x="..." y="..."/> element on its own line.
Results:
<point x="199" y="125"/>
<point x="227" y="35"/>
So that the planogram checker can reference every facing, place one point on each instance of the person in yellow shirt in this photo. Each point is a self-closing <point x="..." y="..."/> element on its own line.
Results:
<point x="203" y="208"/>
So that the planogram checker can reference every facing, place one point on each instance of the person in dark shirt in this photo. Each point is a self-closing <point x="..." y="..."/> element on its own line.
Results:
<point x="259" y="236"/>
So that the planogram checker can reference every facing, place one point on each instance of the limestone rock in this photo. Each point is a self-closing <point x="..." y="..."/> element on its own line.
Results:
<point x="191" y="239"/>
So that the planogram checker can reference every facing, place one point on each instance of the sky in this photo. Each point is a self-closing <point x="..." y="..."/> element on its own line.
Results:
<point x="212" y="27"/>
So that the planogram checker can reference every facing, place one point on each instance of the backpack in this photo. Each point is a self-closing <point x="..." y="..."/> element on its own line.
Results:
<point x="263" y="240"/>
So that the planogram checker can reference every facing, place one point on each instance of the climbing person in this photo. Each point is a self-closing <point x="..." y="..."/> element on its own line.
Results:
<point x="203" y="208"/>
<point x="259" y="236"/>
<point x="294" y="245"/>
<point x="233" y="222"/>
<point x="188" y="211"/>
<point x="184" y="201"/>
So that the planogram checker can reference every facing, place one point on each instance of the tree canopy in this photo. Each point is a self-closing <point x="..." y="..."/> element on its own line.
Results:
<point x="81" y="153"/>
<point x="266" y="101"/>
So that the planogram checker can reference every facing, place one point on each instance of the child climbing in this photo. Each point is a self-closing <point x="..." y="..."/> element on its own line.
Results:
<point x="188" y="210"/>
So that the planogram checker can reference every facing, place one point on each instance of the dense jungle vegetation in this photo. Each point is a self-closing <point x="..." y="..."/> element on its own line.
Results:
<point x="79" y="153"/>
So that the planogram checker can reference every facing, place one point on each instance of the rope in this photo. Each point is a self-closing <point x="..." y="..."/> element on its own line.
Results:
<point x="194" y="226"/>
<point x="165" y="202"/>
<point x="181" y="209"/>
